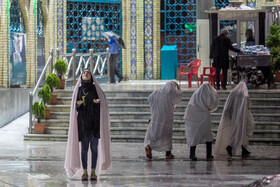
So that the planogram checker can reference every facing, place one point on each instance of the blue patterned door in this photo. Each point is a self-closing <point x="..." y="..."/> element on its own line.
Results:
<point x="87" y="19"/>
<point x="178" y="24"/>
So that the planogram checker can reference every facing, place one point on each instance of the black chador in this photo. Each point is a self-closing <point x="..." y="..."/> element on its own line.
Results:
<point x="88" y="112"/>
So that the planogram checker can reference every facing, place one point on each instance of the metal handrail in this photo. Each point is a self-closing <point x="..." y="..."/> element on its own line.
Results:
<point x="31" y="94"/>
<point x="98" y="66"/>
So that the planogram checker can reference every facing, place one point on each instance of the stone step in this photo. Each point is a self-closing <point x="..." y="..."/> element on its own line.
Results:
<point x="59" y="108"/>
<point x="119" y="93"/>
<point x="262" y="110"/>
<point x="186" y="93"/>
<point x="182" y="108"/>
<point x="184" y="101"/>
<point x="45" y="137"/>
<point x="139" y="138"/>
<point x="60" y="115"/>
<point x="177" y="131"/>
<point x="182" y="139"/>
<point x="259" y="125"/>
<point x="180" y="115"/>
<point x="63" y="111"/>
<point x="181" y="132"/>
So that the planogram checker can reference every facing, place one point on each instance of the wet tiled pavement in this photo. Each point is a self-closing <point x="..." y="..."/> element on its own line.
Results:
<point x="27" y="163"/>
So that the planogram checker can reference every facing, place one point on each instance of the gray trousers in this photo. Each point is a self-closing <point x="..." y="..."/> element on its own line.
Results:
<point x="113" y="60"/>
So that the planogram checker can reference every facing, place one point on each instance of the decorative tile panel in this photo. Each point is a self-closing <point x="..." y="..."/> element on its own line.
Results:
<point x="60" y="24"/>
<point x="133" y="28"/>
<point x="148" y="38"/>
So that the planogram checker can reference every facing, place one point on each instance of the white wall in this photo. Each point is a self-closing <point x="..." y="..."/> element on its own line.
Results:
<point x="13" y="103"/>
<point x="203" y="42"/>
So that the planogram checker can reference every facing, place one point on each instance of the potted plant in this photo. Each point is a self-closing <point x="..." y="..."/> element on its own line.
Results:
<point x="46" y="95"/>
<point x="60" y="68"/>
<point x="273" y="43"/>
<point x="53" y="81"/>
<point x="38" y="110"/>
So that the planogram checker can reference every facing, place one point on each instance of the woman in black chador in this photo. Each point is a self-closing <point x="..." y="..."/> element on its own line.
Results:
<point x="88" y="107"/>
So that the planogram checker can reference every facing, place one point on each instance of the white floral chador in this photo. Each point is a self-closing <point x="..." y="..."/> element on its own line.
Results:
<point x="162" y="103"/>
<point x="237" y="122"/>
<point x="197" y="115"/>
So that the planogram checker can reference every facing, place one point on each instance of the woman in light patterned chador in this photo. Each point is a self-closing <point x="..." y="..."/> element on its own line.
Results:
<point x="159" y="133"/>
<point x="89" y="125"/>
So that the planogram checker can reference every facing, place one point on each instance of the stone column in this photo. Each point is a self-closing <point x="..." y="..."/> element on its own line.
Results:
<point x="5" y="46"/>
<point x="156" y="40"/>
<point x="140" y="39"/>
<point x="126" y="37"/>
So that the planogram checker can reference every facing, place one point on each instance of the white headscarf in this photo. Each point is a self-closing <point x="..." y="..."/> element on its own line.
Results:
<point x="162" y="103"/>
<point x="237" y="122"/>
<point x="72" y="161"/>
<point x="197" y="115"/>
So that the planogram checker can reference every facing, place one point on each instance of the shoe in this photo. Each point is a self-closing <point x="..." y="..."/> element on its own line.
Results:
<point x="224" y="88"/>
<point x="84" y="177"/>
<point x="245" y="152"/>
<point x="209" y="158"/>
<point x="148" y="152"/>
<point x="168" y="157"/>
<point x="120" y="79"/>
<point x="192" y="153"/>
<point x="218" y="89"/>
<point x="229" y="150"/>
<point x="93" y="175"/>
<point x="193" y="158"/>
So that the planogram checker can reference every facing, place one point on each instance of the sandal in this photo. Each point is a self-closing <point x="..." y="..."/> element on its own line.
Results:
<point x="93" y="176"/>
<point x="148" y="152"/>
<point x="84" y="177"/>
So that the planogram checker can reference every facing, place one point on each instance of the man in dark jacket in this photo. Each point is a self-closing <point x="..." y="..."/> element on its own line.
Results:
<point x="219" y="53"/>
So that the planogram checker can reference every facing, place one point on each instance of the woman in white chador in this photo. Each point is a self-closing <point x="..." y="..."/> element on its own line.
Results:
<point x="197" y="119"/>
<point x="236" y="124"/>
<point x="159" y="133"/>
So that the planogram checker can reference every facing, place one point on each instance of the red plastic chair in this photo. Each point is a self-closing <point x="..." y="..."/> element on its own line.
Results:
<point x="211" y="76"/>
<point x="194" y="65"/>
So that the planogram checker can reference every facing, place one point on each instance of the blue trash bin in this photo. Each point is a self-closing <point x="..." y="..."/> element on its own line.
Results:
<point x="169" y="61"/>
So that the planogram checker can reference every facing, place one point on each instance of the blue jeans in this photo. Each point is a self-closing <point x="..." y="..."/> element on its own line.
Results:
<point x="93" y="142"/>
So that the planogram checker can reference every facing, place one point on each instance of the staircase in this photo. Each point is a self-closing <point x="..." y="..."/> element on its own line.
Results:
<point x="129" y="113"/>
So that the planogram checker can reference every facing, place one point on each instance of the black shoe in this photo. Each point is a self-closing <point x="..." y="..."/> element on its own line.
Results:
<point x="209" y="158"/>
<point x="193" y="158"/>
<point x="218" y="89"/>
<point x="245" y="152"/>
<point x="192" y="153"/>
<point x="120" y="79"/>
<point x="224" y="88"/>
<point x="229" y="150"/>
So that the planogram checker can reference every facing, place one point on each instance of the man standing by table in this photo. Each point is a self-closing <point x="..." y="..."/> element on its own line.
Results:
<point x="219" y="53"/>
